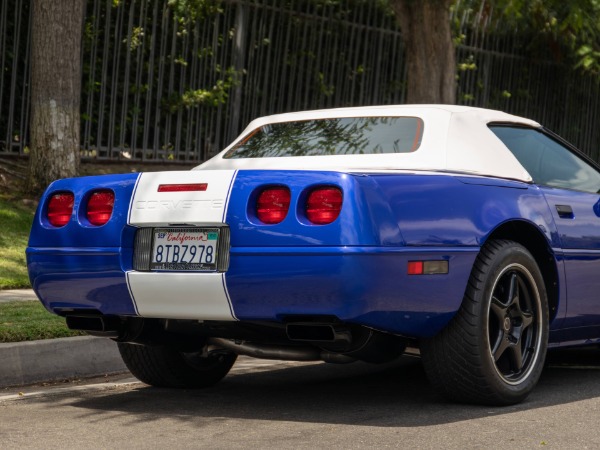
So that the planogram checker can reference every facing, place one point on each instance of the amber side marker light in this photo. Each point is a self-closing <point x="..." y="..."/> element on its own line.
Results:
<point x="324" y="205"/>
<point x="60" y="208"/>
<point x="100" y="207"/>
<point x="427" y="267"/>
<point x="273" y="204"/>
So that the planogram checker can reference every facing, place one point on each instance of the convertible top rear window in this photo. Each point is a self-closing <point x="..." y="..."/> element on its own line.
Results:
<point x="337" y="136"/>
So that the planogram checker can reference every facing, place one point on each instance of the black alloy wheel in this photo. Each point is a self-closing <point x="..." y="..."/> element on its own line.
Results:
<point x="515" y="328"/>
<point x="492" y="352"/>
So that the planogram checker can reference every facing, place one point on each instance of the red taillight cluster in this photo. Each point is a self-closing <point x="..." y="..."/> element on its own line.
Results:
<point x="273" y="204"/>
<point x="60" y="208"/>
<point x="98" y="209"/>
<point x="322" y="206"/>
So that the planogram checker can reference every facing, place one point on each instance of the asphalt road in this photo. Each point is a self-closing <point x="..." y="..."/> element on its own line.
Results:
<point x="264" y="404"/>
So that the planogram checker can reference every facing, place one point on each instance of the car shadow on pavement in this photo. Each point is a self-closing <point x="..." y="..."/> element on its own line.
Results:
<point x="392" y="395"/>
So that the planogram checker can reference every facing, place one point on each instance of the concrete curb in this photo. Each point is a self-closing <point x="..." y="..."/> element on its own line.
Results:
<point x="31" y="362"/>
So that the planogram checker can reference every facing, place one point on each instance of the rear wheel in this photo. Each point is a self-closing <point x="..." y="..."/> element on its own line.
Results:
<point x="168" y="367"/>
<point x="493" y="351"/>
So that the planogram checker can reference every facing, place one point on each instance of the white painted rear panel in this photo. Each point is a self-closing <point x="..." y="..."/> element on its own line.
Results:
<point x="176" y="295"/>
<point x="181" y="295"/>
<point x="152" y="208"/>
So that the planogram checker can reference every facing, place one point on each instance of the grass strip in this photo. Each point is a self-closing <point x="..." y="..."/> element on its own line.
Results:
<point x="15" y="223"/>
<point x="30" y="321"/>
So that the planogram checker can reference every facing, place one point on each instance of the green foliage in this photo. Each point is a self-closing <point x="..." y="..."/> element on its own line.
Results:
<point x="589" y="59"/>
<point x="326" y="89"/>
<point x="29" y="321"/>
<point x="215" y="96"/>
<point x="188" y="12"/>
<point x="467" y="64"/>
<point x="15" y="223"/>
<point x="566" y="34"/>
<point x="566" y="31"/>
<point x="136" y="38"/>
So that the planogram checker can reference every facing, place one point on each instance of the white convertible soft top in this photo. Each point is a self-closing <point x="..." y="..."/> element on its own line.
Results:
<point x="455" y="139"/>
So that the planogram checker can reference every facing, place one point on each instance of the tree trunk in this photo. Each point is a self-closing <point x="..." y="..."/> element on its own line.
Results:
<point x="430" y="52"/>
<point x="55" y="91"/>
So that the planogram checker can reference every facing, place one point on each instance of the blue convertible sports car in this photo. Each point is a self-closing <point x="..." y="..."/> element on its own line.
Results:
<point x="469" y="235"/>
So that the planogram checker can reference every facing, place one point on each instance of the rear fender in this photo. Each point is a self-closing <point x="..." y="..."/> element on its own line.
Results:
<point x="78" y="232"/>
<point x="365" y="218"/>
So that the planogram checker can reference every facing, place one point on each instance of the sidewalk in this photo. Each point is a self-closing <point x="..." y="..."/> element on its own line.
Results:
<point x="54" y="359"/>
<point x="12" y="295"/>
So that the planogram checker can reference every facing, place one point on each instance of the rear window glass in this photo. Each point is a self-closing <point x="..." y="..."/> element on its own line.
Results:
<point x="340" y="136"/>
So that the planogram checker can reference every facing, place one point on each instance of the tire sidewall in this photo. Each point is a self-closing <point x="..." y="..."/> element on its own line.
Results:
<point x="510" y="255"/>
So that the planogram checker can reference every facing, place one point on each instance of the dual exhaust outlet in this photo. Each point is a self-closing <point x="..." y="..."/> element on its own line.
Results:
<point x="334" y="343"/>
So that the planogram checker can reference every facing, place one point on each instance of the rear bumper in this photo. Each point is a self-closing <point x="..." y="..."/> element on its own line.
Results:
<point x="361" y="285"/>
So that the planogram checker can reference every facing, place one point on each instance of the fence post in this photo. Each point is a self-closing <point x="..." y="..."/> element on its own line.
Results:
<point x="239" y="61"/>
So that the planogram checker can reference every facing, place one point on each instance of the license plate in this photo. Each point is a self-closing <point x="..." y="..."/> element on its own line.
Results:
<point x="185" y="249"/>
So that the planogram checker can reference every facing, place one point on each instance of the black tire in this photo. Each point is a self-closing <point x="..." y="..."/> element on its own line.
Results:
<point x="493" y="350"/>
<point x="168" y="367"/>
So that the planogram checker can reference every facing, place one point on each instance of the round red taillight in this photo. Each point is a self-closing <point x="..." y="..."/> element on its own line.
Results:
<point x="60" y="208"/>
<point x="100" y="207"/>
<point x="323" y="205"/>
<point x="273" y="204"/>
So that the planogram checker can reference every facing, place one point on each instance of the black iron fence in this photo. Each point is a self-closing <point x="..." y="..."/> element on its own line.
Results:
<point x="161" y="88"/>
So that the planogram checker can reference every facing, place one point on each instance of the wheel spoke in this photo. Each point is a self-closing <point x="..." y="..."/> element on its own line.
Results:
<point x="512" y="323"/>
<point x="527" y="320"/>
<point x="513" y="291"/>
<point x="500" y="346"/>
<point x="516" y="357"/>
<point x="498" y="308"/>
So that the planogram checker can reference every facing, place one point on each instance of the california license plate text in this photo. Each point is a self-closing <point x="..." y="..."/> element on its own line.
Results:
<point x="184" y="249"/>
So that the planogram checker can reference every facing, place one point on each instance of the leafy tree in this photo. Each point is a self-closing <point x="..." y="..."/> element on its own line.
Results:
<point x="567" y="31"/>
<point x="430" y="51"/>
<point x="55" y="91"/>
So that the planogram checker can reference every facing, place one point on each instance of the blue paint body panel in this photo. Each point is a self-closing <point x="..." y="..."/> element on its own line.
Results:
<point x="81" y="266"/>
<point x="579" y="236"/>
<point x="354" y="268"/>
<point x="360" y="285"/>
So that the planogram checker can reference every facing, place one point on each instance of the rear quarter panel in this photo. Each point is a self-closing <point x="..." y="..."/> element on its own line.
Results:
<point x="80" y="265"/>
<point x="355" y="268"/>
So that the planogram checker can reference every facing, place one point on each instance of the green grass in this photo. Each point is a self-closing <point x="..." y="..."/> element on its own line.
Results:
<point x="24" y="321"/>
<point x="15" y="223"/>
<point x="29" y="321"/>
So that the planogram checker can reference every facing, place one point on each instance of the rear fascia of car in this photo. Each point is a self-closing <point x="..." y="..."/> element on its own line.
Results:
<point x="355" y="269"/>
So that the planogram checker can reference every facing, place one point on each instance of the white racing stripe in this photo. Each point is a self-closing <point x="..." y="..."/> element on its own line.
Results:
<point x="181" y="295"/>
<point x="152" y="208"/>
<point x="177" y="295"/>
